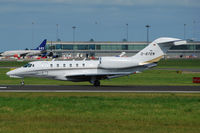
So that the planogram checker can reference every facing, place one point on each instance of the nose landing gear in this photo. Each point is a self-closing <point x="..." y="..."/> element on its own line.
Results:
<point x="22" y="82"/>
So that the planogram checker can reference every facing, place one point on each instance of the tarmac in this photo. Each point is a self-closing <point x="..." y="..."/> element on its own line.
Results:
<point x="88" y="88"/>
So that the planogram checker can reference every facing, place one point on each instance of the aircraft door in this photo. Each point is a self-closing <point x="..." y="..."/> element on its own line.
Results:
<point x="100" y="60"/>
<point x="44" y="71"/>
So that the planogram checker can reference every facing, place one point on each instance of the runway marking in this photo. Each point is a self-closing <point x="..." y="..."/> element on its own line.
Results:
<point x="3" y="87"/>
<point x="98" y="91"/>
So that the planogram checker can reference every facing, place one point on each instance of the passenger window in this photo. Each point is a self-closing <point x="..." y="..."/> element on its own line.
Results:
<point x="76" y="65"/>
<point x="83" y="64"/>
<point x="25" y="65"/>
<point x="57" y="65"/>
<point x="51" y="65"/>
<point x="64" y="65"/>
<point x="28" y="65"/>
<point x="70" y="65"/>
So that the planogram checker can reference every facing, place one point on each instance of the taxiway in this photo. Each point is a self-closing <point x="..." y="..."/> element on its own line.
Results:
<point x="88" y="88"/>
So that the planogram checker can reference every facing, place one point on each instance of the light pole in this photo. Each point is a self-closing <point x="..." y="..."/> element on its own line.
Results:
<point x="95" y="29"/>
<point x="32" y="33"/>
<point x="57" y="32"/>
<point x="127" y="32"/>
<point x="74" y="28"/>
<point x="184" y="31"/>
<point x="147" y="26"/>
<point x="194" y="23"/>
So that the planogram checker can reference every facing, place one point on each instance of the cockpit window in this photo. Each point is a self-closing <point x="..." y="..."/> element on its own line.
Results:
<point x="28" y="65"/>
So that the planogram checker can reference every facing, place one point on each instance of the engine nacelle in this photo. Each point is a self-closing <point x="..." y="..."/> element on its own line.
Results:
<point x="117" y="62"/>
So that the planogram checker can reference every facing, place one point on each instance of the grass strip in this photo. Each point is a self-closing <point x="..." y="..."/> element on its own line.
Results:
<point x="99" y="112"/>
<point x="148" y="77"/>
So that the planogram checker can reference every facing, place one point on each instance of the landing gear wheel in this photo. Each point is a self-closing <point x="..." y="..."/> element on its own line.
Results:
<point x="22" y="82"/>
<point x="96" y="83"/>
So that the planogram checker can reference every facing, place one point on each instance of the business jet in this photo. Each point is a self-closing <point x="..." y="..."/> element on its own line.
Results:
<point x="22" y="53"/>
<point x="96" y="70"/>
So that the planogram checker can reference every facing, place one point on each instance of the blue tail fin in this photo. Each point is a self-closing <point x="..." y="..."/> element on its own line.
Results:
<point x="42" y="45"/>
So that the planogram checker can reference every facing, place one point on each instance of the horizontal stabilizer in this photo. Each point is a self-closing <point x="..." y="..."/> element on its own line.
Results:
<point x="182" y="42"/>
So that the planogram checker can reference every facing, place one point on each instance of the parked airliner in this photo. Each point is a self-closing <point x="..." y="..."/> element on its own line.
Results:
<point x="96" y="70"/>
<point x="22" y="53"/>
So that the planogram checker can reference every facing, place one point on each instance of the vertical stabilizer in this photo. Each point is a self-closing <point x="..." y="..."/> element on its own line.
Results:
<point x="156" y="50"/>
<point x="42" y="45"/>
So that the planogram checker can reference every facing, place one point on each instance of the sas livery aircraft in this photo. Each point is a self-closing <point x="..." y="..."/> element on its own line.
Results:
<point x="22" y="53"/>
<point x="96" y="70"/>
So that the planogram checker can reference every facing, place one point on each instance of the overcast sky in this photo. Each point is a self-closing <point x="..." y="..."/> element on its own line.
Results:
<point x="25" y="23"/>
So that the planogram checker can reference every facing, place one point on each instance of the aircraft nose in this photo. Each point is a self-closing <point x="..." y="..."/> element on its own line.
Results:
<point x="9" y="73"/>
<point x="14" y="73"/>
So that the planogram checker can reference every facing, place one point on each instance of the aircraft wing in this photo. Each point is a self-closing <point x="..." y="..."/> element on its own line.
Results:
<point x="99" y="76"/>
<point x="24" y="54"/>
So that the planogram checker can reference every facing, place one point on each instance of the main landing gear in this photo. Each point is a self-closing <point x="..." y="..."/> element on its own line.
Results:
<point x="96" y="83"/>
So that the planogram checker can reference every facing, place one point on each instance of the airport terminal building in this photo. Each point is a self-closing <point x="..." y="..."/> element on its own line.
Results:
<point x="92" y="48"/>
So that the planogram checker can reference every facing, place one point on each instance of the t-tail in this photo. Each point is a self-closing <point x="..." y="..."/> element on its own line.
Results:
<point x="42" y="45"/>
<point x="156" y="50"/>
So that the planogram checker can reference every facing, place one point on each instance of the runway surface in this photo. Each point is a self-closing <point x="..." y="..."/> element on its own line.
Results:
<point x="88" y="88"/>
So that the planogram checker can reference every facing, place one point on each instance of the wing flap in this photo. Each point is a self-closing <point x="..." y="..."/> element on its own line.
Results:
<point x="99" y="74"/>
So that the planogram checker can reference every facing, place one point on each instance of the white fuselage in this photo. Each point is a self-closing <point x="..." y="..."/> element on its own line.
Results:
<point x="83" y="70"/>
<point x="21" y="52"/>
